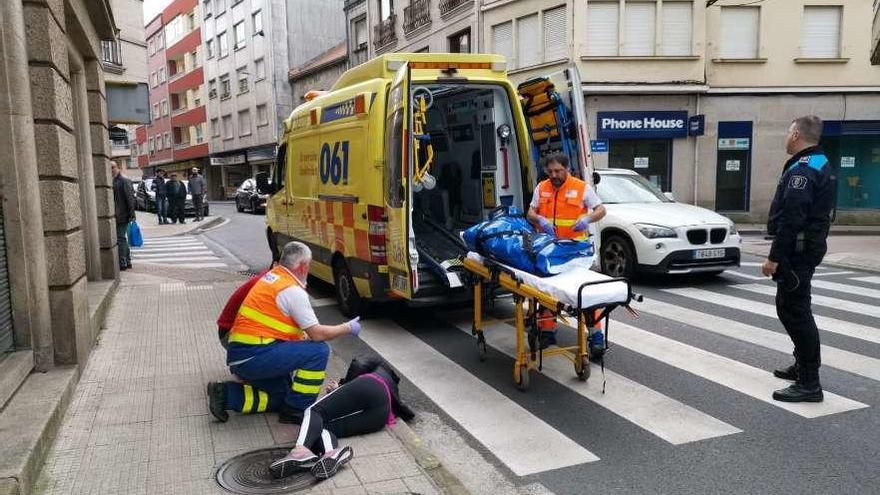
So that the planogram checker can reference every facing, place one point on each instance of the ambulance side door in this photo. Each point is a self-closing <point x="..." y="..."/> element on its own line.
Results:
<point x="403" y="280"/>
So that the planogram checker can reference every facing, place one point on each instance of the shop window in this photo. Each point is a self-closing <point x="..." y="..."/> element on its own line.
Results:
<point x="855" y="160"/>
<point x="740" y="27"/>
<point x="651" y="158"/>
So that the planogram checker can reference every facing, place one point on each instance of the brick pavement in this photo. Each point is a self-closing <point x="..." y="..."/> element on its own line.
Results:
<point x="139" y="422"/>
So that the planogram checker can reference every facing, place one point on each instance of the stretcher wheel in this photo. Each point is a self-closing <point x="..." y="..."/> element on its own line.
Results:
<point x="521" y="377"/>
<point x="584" y="372"/>
<point x="481" y="346"/>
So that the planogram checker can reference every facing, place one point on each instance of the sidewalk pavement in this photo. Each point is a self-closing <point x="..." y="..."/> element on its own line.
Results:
<point x="139" y="421"/>
<point x="849" y="247"/>
<point x="150" y="228"/>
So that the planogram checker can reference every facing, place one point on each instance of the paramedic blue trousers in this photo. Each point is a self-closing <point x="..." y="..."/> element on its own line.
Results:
<point x="275" y="374"/>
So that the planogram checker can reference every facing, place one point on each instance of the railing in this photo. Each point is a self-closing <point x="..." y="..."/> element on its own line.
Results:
<point x="447" y="6"/>
<point x="418" y="14"/>
<point x="120" y="146"/>
<point x="384" y="32"/>
<point x="181" y="145"/>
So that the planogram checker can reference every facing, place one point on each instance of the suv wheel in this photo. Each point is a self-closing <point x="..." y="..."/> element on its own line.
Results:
<point x="618" y="258"/>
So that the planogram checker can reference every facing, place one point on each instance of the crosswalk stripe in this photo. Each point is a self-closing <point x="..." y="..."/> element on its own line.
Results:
<point x="833" y="325"/>
<point x="169" y="249"/>
<point x="831" y="356"/>
<point x="744" y="275"/>
<point x="200" y="265"/>
<point x="324" y="301"/>
<point x="136" y="254"/>
<point x="847" y="289"/>
<point x="648" y="409"/>
<point x="176" y="259"/>
<point x="831" y="274"/>
<point x="745" y="379"/>
<point x="831" y="302"/>
<point x="172" y="240"/>
<point x="870" y="280"/>
<point x="535" y="447"/>
<point x="750" y="263"/>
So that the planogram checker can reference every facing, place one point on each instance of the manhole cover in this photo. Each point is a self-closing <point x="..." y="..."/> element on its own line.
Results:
<point x="248" y="474"/>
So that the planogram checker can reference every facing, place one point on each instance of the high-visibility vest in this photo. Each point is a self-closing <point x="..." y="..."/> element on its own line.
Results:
<point x="563" y="206"/>
<point x="259" y="320"/>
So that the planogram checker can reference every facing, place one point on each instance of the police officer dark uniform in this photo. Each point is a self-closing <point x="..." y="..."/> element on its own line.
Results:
<point x="800" y="216"/>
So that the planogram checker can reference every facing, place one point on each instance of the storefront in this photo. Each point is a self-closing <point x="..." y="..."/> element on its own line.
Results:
<point x="642" y="141"/>
<point x="733" y="166"/>
<point x="231" y="169"/>
<point x="853" y="148"/>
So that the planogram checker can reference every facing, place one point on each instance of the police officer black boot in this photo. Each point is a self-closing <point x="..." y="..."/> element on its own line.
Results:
<point x="806" y="389"/>
<point x="787" y="373"/>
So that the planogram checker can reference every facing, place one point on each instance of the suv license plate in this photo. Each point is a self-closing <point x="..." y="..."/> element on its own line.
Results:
<point x="705" y="254"/>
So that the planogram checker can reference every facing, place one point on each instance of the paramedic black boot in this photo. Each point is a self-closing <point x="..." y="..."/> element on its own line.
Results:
<point x="806" y="389"/>
<point x="789" y="373"/>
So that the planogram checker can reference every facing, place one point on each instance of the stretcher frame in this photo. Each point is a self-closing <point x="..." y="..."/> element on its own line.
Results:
<point x="489" y="275"/>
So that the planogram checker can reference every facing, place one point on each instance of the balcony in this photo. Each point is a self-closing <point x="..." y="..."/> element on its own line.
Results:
<point x="384" y="33"/>
<point x="447" y="6"/>
<point x="417" y="15"/>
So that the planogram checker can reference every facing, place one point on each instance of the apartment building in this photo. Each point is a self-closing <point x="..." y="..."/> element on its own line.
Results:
<point x="249" y="46"/>
<point x="125" y="68"/>
<point x="175" y="139"/>
<point x="697" y="96"/>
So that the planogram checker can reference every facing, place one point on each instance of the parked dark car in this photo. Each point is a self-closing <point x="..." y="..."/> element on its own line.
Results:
<point x="145" y="199"/>
<point x="248" y="198"/>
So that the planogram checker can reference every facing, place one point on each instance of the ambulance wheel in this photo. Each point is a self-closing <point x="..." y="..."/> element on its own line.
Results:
<point x="350" y="302"/>
<point x="521" y="377"/>
<point x="584" y="373"/>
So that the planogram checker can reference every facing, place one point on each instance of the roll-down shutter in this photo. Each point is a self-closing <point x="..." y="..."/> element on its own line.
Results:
<point x="5" y="305"/>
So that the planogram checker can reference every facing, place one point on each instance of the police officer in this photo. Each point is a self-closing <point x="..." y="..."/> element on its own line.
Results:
<point x="800" y="217"/>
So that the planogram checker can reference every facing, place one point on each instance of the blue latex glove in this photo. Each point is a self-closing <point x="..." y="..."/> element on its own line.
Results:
<point x="547" y="226"/>
<point x="582" y="224"/>
<point x="355" y="326"/>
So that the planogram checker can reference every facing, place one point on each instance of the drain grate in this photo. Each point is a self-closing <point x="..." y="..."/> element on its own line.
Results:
<point x="248" y="474"/>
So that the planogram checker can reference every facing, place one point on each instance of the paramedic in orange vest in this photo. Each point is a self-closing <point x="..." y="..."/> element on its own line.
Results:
<point x="277" y="346"/>
<point x="565" y="206"/>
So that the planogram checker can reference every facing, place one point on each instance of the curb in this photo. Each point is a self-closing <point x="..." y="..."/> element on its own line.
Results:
<point x="446" y="482"/>
<point x="205" y="225"/>
<point x="833" y="263"/>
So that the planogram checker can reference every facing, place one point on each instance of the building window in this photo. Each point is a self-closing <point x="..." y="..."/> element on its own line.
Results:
<point x="168" y="140"/>
<point x="555" y="34"/>
<point x="242" y="76"/>
<point x="676" y="26"/>
<point x="209" y="48"/>
<point x="820" y="33"/>
<point x="164" y="107"/>
<point x="206" y="7"/>
<point x="739" y="32"/>
<point x="223" y="41"/>
<point x="155" y="111"/>
<point x="153" y="80"/>
<point x="238" y="29"/>
<point x="227" y="127"/>
<point x="212" y="88"/>
<point x="262" y="115"/>
<point x="259" y="69"/>
<point x="460" y="42"/>
<point x="161" y="75"/>
<point x="150" y="145"/>
<point x="502" y="41"/>
<point x="258" y="22"/>
<point x="528" y="38"/>
<point x="160" y="41"/>
<point x="215" y="127"/>
<point x="111" y="52"/>
<point x="224" y="86"/>
<point x="200" y="133"/>
<point x="360" y="34"/>
<point x="151" y="47"/>
<point x="197" y="97"/>
<point x="244" y="123"/>
<point x="639" y="29"/>
<point x="602" y="22"/>
<point x="221" y="7"/>
<point x="386" y="9"/>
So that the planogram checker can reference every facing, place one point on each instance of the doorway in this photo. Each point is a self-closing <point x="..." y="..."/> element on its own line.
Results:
<point x="733" y="166"/>
<point x="651" y="158"/>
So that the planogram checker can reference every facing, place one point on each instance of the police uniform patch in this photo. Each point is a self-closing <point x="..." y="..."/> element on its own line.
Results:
<point x="797" y="182"/>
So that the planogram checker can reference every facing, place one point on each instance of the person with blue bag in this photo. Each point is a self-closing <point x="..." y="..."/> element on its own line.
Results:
<point x="564" y="207"/>
<point x="123" y="200"/>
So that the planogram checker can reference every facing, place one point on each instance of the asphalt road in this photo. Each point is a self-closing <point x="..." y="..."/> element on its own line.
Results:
<point x="686" y="407"/>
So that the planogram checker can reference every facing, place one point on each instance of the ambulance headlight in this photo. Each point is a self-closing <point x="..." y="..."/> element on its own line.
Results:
<point x="504" y="131"/>
<point x="655" y="231"/>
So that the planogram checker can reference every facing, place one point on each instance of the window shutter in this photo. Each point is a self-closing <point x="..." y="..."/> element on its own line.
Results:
<point x="602" y="22"/>
<point x="639" y="25"/>
<point x="739" y="32"/>
<point x="527" y="41"/>
<point x="555" y="34"/>
<point x="820" y="34"/>
<point x="677" y="28"/>
<point x="502" y="42"/>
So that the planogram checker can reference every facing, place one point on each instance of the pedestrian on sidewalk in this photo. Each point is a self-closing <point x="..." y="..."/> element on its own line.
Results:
<point x="161" y="196"/>
<point x="800" y="217"/>
<point x="176" y="192"/>
<point x="123" y="200"/>
<point x="366" y="400"/>
<point x="197" y="189"/>
<point x="277" y="346"/>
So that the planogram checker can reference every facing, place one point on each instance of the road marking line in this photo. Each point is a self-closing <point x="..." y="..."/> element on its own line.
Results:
<point x="176" y="260"/>
<point x="737" y="376"/>
<point x="831" y="274"/>
<point x="170" y="240"/>
<point x="831" y="302"/>
<point x="833" y="325"/>
<point x="648" y="409"/>
<point x="847" y="289"/>
<point x="744" y="275"/>
<point x="170" y="249"/>
<point x="171" y="255"/>
<point x="519" y="439"/>
<point x="831" y="356"/>
<point x="200" y="265"/>
<point x="324" y="301"/>
<point x="870" y="280"/>
<point x="750" y="263"/>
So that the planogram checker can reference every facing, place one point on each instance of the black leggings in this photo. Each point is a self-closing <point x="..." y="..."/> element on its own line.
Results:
<point x="358" y="407"/>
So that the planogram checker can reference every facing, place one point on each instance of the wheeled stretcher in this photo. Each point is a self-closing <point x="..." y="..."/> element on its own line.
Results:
<point x="585" y="295"/>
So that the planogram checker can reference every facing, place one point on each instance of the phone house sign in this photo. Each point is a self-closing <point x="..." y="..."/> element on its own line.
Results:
<point x="641" y="125"/>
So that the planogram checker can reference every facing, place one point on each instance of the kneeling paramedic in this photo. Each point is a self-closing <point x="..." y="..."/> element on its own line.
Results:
<point x="565" y="206"/>
<point x="276" y="345"/>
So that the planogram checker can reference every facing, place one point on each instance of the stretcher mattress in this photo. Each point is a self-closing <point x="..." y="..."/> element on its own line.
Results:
<point x="564" y="287"/>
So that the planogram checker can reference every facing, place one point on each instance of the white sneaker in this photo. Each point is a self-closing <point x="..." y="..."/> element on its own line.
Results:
<point x="292" y="463"/>
<point x="330" y="463"/>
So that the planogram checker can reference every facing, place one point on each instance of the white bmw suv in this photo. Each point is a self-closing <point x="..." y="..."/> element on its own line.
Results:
<point x="647" y="231"/>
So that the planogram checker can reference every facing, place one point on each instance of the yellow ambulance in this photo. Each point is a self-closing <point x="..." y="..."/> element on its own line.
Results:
<point x="381" y="173"/>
